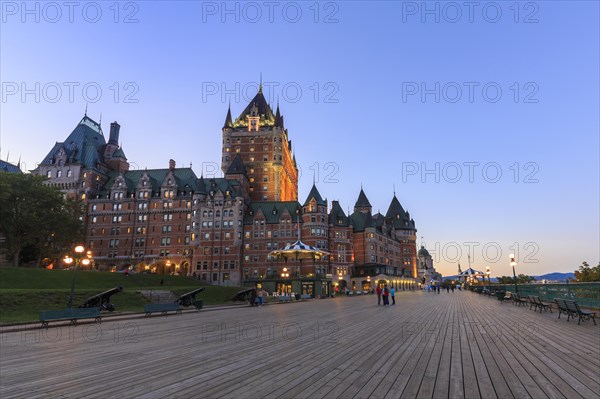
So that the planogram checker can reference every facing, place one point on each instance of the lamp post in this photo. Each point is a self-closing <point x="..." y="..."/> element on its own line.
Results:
<point x="513" y="264"/>
<point x="487" y="271"/>
<point x="78" y="258"/>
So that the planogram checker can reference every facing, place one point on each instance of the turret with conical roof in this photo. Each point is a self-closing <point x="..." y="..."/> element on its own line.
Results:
<point x="362" y="203"/>
<point x="228" y="121"/>
<point x="314" y="193"/>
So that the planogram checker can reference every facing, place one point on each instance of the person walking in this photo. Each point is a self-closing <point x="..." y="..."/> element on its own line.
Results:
<point x="438" y="288"/>
<point x="378" y="292"/>
<point x="393" y="295"/>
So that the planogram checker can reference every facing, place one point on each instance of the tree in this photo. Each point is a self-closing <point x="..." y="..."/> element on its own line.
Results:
<point x="36" y="217"/>
<point x="587" y="273"/>
<point x="521" y="279"/>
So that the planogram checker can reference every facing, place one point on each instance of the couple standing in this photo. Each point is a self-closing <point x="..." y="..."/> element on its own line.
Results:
<point x="385" y="293"/>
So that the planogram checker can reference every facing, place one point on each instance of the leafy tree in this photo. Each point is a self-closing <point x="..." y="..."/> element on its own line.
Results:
<point x="36" y="218"/>
<point x="587" y="273"/>
<point x="521" y="279"/>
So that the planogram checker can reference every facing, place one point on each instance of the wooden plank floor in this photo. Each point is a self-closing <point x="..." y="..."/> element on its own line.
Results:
<point x="448" y="345"/>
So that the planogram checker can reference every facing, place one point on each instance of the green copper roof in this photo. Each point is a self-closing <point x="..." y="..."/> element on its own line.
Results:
<point x="337" y="217"/>
<point x="398" y="217"/>
<point x="185" y="178"/>
<point x="361" y="221"/>
<point x="222" y="185"/>
<point x="119" y="153"/>
<point x="362" y="201"/>
<point x="314" y="193"/>
<point x="84" y="145"/>
<point x="264" y="110"/>
<point x="273" y="210"/>
<point x="228" y="121"/>
<point x="237" y="166"/>
<point x="9" y="167"/>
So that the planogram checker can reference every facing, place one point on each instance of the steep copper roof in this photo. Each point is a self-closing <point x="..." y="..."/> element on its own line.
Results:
<point x="264" y="111"/>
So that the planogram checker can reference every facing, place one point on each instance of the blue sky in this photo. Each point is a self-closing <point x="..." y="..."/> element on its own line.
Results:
<point x="485" y="120"/>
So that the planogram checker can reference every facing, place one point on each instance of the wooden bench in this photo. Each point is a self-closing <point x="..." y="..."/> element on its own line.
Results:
<point x="72" y="314"/>
<point x="507" y="297"/>
<point x="575" y="311"/>
<point x="561" y="304"/>
<point x="284" y="298"/>
<point x="305" y="296"/>
<point x="517" y="300"/>
<point x="536" y="302"/>
<point x="163" y="308"/>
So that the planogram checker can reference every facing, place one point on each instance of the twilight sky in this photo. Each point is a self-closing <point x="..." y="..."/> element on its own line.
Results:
<point x="484" y="116"/>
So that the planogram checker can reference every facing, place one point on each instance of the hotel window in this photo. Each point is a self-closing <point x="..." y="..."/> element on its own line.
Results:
<point x="49" y="174"/>
<point x="69" y="173"/>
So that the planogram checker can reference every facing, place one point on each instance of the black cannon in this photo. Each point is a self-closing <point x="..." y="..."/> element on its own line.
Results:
<point x="102" y="300"/>
<point x="188" y="298"/>
<point x="244" y="295"/>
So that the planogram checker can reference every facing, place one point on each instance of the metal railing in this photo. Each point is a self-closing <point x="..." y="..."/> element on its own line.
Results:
<point x="586" y="294"/>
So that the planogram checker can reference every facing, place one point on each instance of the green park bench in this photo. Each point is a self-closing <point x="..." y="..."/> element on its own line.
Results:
<point x="162" y="308"/>
<point x="72" y="314"/>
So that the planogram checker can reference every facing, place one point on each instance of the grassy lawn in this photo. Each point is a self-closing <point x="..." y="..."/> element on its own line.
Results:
<point x="24" y="291"/>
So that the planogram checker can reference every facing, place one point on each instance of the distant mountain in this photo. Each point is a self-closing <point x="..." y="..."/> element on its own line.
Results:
<point x="555" y="276"/>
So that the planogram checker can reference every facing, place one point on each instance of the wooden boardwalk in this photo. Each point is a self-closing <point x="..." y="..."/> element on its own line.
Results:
<point x="448" y="345"/>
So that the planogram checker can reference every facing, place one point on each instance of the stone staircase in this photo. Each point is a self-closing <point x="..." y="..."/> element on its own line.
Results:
<point x="155" y="296"/>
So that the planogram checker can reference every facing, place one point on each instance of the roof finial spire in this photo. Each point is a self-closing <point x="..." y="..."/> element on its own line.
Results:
<point x="85" y="113"/>
<point x="100" y="121"/>
<point x="314" y="181"/>
<point x="260" y="84"/>
<point x="395" y="193"/>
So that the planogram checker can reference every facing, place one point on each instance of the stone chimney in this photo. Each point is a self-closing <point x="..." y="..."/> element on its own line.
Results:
<point x="114" y="133"/>
<point x="171" y="164"/>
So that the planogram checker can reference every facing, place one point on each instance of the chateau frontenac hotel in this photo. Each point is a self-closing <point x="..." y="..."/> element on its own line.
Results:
<point x="223" y="230"/>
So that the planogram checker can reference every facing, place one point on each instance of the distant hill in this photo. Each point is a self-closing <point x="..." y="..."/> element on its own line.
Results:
<point x="555" y="276"/>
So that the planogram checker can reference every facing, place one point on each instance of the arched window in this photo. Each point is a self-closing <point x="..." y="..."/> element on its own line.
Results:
<point x="59" y="173"/>
<point x="69" y="173"/>
<point x="49" y="174"/>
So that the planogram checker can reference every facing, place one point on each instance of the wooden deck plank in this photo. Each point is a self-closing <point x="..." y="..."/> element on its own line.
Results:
<point x="448" y="345"/>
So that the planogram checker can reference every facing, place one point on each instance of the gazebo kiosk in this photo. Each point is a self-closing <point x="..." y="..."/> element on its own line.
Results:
<point x="292" y="278"/>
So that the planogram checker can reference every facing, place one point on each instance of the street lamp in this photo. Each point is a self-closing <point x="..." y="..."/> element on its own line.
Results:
<point x="487" y="271"/>
<point x="78" y="259"/>
<point x="513" y="264"/>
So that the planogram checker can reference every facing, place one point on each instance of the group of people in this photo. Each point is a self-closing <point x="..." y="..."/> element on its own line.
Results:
<point x="385" y="293"/>
<point x="257" y="297"/>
